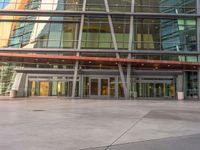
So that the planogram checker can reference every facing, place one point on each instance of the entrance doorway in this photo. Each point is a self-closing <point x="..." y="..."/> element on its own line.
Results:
<point x="99" y="87"/>
<point x="53" y="87"/>
<point x="44" y="88"/>
<point x="157" y="88"/>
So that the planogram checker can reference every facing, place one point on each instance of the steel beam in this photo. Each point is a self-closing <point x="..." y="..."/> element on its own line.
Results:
<point x="103" y="51"/>
<point x="130" y="48"/>
<point x="116" y="48"/>
<point x="59" y="13"/>
<point x="76" y="66"/>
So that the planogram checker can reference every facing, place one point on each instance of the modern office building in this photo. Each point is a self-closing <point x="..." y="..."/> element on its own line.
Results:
<point x="110" y="49"/>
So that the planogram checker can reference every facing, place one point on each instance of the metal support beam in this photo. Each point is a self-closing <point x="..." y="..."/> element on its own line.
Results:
<point x="76" y="66"/>
<point x="64" y="13"/>
<point x="116" y="48"/>
<point x="99" y="51"/>
<point x="130" y="48"/>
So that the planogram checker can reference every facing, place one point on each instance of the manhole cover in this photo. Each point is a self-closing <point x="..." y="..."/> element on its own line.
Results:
<point x="38" y="110"/>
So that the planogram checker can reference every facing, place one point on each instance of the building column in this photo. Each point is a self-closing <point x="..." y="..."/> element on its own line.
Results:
<point x="180" y="85"/>
<point x="76" y="66"/>
<point x="198" y="82"/>
<point x="81" y="86"/>
<point x="116" y="48"/>
<point x="130" y="49"/>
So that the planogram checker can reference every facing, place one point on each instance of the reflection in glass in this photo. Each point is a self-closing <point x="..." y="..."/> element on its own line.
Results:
<point x="120" y="89"/>
<point x="192" y="84"/>
<point x="166" y="6"/>
<point x="44" y="88"/>
<point x="104" y="87"/>
<point x="112" y="87"/>
<point x="94" y="87"/>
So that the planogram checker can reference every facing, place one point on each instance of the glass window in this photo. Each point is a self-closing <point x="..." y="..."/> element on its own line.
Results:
<point x="166" y="6"/>
<point x="192" y="84"/>
<point x="95" y="5"/>
<point x="165" y="34"/>
<point x="96" y="33"/>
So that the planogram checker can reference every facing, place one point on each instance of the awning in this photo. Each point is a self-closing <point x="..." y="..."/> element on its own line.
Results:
<point x="55" y="59"/>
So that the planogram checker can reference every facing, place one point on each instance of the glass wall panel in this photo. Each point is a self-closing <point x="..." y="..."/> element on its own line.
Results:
<point x="94" y="87"/>
<point x="104" y="87"/>
<point x="69" y="35"/>
<point x="120" y="89"/>
<point x="55" y="35"/>
<point x="42" y="35"/>
<point x="86" y="87"/>
<point x="112" y="87"/>
<point x="74" y="5"/>
<point x="96" y="33"/>
<point x="166" y="6"/>
<point x="167" y="35"/>
<point x="147" y="34"/>
<point x="163" y="6"/>
<point x="191" y="84"/>
<point x="121" y="29"/>
<point x="95" y="5"/>
<point x="120" y="5"/>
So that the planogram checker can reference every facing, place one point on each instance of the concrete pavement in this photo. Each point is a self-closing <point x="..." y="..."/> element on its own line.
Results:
<point x="60" y="124"/>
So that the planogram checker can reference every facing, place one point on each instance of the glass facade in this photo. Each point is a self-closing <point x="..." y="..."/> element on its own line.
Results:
<point x="158" y="6"/>
<point x="156" y="30"/>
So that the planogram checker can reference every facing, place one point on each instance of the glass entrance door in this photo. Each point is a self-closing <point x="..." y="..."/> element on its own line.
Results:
<point x="99" y="87"/>
<point x="94" y="87"/>
<point x="159" y="90"/>
<point x="44" y="88"/>
<point x="155" y="88"/>
<point x="104" y="87"/>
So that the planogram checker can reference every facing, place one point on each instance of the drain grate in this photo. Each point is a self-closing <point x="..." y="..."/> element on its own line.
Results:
<point x="38" y="110"/>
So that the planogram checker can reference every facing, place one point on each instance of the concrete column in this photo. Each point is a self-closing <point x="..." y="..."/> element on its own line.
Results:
<point x="20" y="85"/>
<point x="180" y="87"/>
<point x="81" y="86"/>
<point x="199" y="83"/>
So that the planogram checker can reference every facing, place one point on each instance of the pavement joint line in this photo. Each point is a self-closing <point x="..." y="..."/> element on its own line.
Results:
<point x="149" y="140"/>
<point x="166" y="138"/>
<point x="134" y="124"/>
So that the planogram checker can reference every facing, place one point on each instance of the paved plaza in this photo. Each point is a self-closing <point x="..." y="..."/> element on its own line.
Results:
<point x="63" y="124"/>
